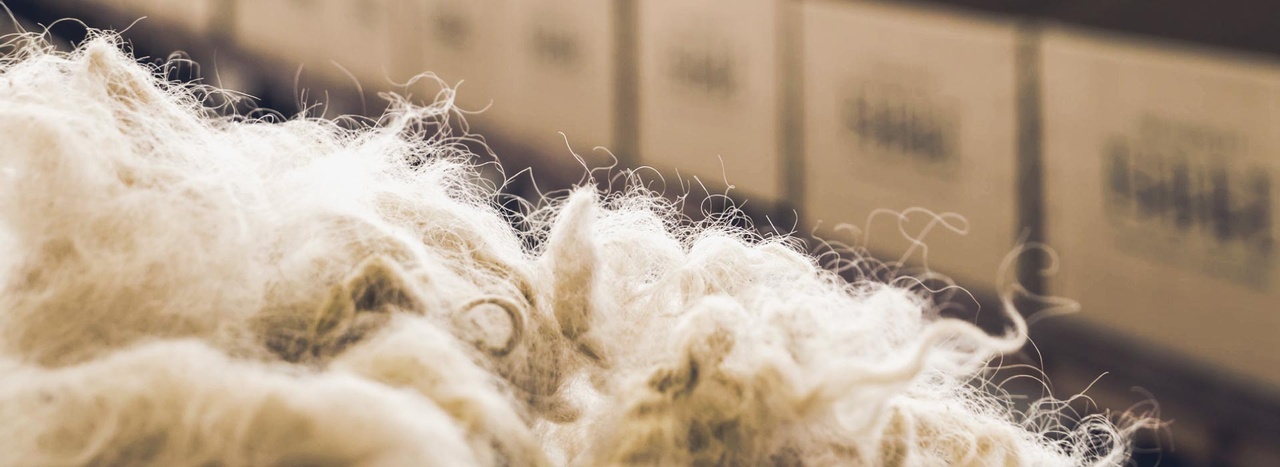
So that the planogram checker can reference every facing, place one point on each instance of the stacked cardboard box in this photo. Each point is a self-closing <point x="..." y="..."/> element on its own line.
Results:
<point x="904" y="109"/>
<point x="1159" y="170"/>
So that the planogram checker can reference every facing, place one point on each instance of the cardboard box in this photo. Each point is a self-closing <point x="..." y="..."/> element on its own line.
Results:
<point x="195" y="16"/>
<point x="554" y="74"/>
<point x="908" y="108"/>
<point x="356" y="36"/>
<point x="190" y="15"/>
<point x="291" y="32"/>
<point x="709" y="94"/>
<point x="1159" y="165"/>
<point x="302" y="47"/>
<point x="454" y="39"/>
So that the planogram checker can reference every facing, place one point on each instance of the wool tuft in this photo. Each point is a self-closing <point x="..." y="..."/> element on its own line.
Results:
<point x="187" y="289"/>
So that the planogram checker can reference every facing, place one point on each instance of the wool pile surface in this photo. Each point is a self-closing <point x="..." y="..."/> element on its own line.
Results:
<point x="187" y="289"/>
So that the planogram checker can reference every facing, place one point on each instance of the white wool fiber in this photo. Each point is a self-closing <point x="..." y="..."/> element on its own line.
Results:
<point x="187" y="289"/>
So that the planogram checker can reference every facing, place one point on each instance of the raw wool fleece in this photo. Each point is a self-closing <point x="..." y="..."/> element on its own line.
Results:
<point x="185" y="289"/>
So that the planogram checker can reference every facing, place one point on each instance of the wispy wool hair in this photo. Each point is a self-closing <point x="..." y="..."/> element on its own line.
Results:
<point x="187" y="289"/>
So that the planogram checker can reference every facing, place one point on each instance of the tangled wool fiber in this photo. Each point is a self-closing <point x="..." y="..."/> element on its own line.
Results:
<point x="187" y="289"/>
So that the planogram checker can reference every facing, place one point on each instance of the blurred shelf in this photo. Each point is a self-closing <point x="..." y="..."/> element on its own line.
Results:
<point x="1246" y="25"/>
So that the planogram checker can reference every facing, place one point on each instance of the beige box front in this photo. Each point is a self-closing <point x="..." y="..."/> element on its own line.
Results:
<point x="555" y="74"/>
<point x="909" y="109"/>
<point x="356" y="36"/>
<point x="709" y="94"/>
<point x="190" y="15"/>
<point x="454" y="40"/>
<point x="1158" y="183"/>
<point x="292" y="32"/>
